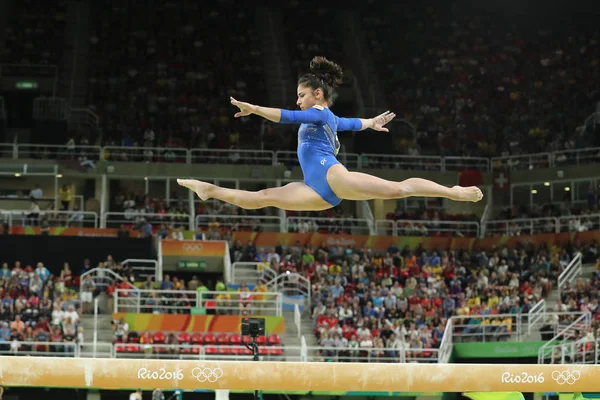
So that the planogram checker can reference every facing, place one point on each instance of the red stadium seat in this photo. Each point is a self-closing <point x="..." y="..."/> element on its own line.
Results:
<point x="246" y="339"/>
<point x="183" y="337"/>
<point x="210" y="338"/>
<point x="273" y="339"/>
<point x="261" y="340"/>
<point x="223" y="338"/>
<point x="120" y="348"/>
<point x="210" y="349"/>
<point x="275" y="351"/>
<point x="133" y="348"/>
<point x="235" y="339"/>
<point x="159" y="338"/>
<point x="224" y="350"/>
<point x="197" y="338"/>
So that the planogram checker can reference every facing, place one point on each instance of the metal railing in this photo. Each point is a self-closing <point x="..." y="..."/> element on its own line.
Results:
<point x="181" y="301"/>
<point x="253" y="223"/>
<point x="565" y="333"/>
<point x="583" y="351"/>
<point x="575" y="223"/>
<point x="115" y="219"/>
<point x="447" y="344"/>
<point x="522" y="226"/>
<point x="251" y="272"/>
<point x="402" y="162"/>
<point x="289" y="158"/>
<point x="486" y="328"/>
<point x="295" y="288"/>
<point x="143" y="268"/>
<point x="353" y="226"/>
<point x="102" y="277"/>
<point x="232" y="156"/>
<point x="78" y="219"/>
<point x="522" y="161"/>
<point x="572" y="271"/>
<point x="145" y="154"/>
<point x="427" y="228"/>
<point x="44" y="349"/>
<point x="57" y="152"/>
<point x="537" y="316"/>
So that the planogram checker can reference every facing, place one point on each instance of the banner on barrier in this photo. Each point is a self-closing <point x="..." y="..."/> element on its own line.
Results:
<point x="270" y="239"/>
<point x="193" y="323"/>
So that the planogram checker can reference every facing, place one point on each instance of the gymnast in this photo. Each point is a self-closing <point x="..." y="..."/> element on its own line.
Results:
<point x="326" y="181"/>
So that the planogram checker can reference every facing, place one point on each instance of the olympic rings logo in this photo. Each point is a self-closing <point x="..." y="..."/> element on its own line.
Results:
<point x="192" y="247"/>
<point x="207" y="374"/>
<point x="566" y="377"/>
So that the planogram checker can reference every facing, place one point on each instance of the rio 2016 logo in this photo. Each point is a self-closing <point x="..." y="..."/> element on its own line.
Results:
<point x="161" y="374"/>
<point x="523" y="377"/>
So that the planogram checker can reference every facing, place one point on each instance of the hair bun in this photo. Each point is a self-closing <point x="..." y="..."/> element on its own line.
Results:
<point x="328" y="71"/>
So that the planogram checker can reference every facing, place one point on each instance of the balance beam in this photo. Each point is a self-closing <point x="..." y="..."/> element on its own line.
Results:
<point x="110" y="373"/>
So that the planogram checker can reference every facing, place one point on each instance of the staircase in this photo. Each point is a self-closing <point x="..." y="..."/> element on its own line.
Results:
<point x="352" y="39"/>
<point x="72" y="82"/>
<point x="278" y="77"/>
<point x="5" y="7"/>
<point x="104" y="335"/>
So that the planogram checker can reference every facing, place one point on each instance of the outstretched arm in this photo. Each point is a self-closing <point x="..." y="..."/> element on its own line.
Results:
<point x="310" y="116"/>
<point x="359" y="124"/>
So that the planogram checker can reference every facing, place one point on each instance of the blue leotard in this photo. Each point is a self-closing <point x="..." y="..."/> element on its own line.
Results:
<point x="318" y="145"/>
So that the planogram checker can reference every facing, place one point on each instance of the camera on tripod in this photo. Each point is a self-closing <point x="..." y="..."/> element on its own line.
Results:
<point x="253" y="327"/>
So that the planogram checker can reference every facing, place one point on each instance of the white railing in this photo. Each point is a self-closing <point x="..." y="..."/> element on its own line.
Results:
<point x="580" y="156"/>
<point x="77" y="219"/>
<point x="146" y="154"/>
<point x="115" y="219"/>
<point x="180" y="301"/>
<point x="577" y="223"/>
<point x="466" y="163"/>
<point x="232" y="156"/>
<point x="354" y="226"/>
<point x="427" y="228"/>
<point x="565" y="333"/>
<point x="522" y="226"/>
<point x="446" y="345"/>
<point x="401" y="162"/>
<point x="143" y="268"/>
<point x="102" y="278"/>
<point x="289" y="158"/>
<point x="251" y="272"/>
<point x="58" y="152"/>
<point x="523" y="161"/>
<point x="536" y="316"/>
<point x="580" y="352"/>
<point x="470" y="328"/>
<point x="368" y="215"/>
<point x="572" y="271"/>
<point x="298" y="320"/>
<point x="44" y="349"/>
<point x="295" y="288"/>
<point x="253" y="223"/>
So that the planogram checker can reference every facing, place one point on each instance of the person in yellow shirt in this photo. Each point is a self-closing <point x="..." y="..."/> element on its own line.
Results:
<point x="335" y="269"/>
<point x="473" y="301"/>
<point x="65" y="197"/>
<point x="259" y="297"/>
<point x="493" y="301"/>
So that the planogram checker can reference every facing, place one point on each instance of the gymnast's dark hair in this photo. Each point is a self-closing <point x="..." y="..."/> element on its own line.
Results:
<point x="323" y="74"/>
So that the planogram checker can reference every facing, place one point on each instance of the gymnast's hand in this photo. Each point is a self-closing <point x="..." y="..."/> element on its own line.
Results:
<point x="382" y="119"/>
<point x="245" y="108"/>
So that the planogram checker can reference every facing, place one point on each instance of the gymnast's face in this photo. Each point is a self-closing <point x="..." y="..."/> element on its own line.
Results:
<point x="307" y="97"/>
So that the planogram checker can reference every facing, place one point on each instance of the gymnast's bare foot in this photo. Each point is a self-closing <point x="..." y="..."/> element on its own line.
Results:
<point x="202" y="189"/>
<point x="471" y="193"/>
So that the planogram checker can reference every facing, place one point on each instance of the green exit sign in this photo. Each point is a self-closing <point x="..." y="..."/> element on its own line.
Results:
<point x="189" y="264"/>
<point x="27" y="85"/>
